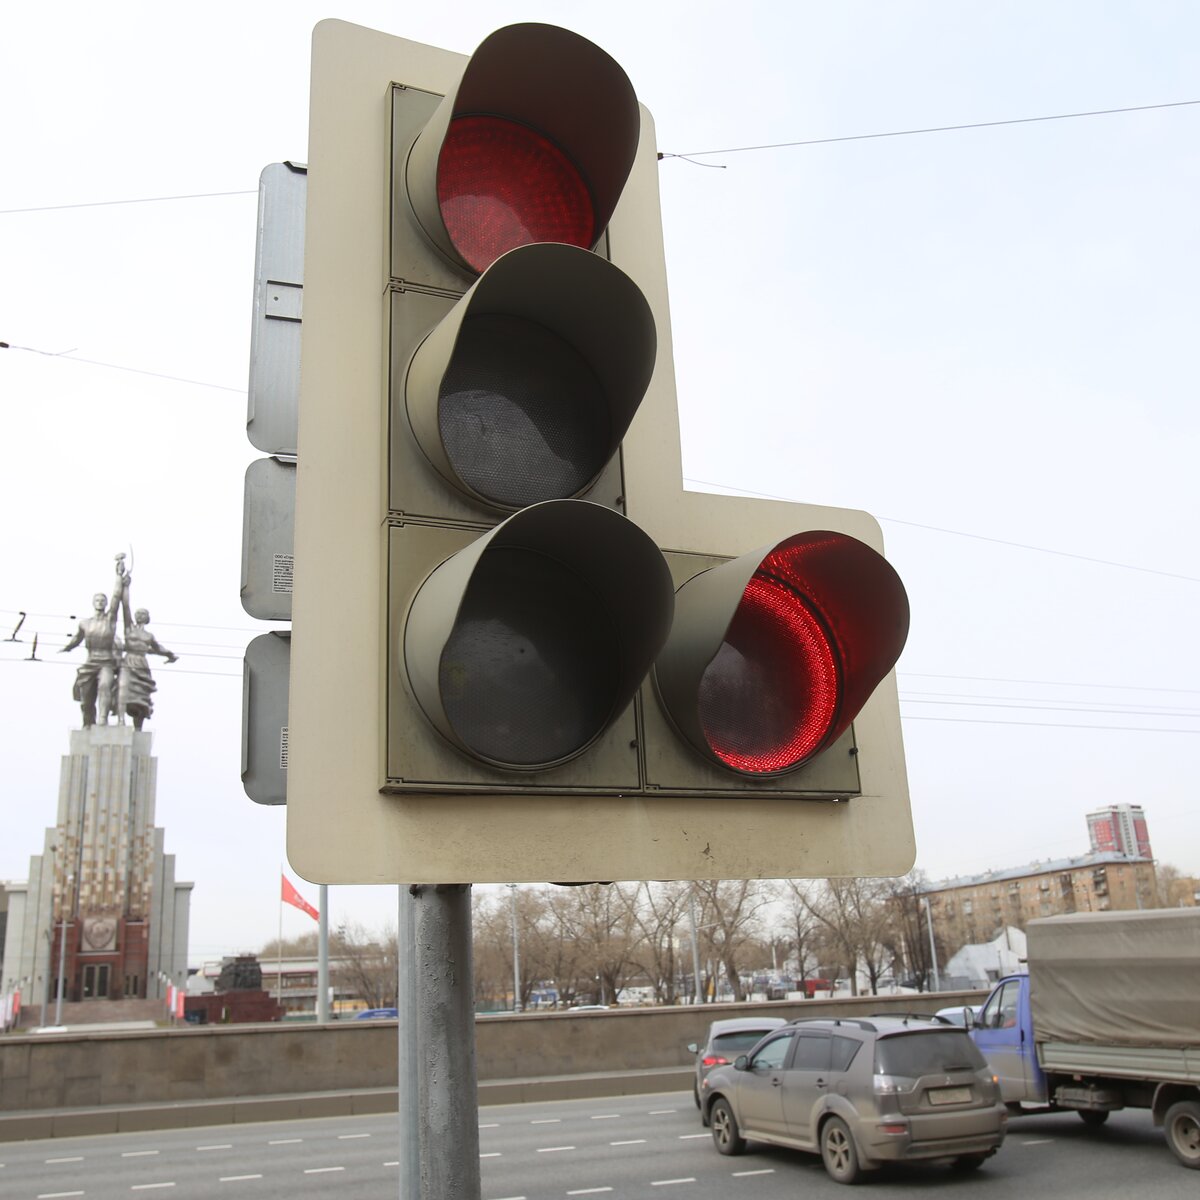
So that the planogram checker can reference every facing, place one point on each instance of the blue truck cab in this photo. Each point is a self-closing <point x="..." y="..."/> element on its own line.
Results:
<point x="1003" y="1031"/>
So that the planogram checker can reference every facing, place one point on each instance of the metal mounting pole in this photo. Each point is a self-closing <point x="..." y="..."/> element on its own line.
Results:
<point x="448" y="1107"/>
<point x="323" y="956"/>
<point x="409" y="1099"/>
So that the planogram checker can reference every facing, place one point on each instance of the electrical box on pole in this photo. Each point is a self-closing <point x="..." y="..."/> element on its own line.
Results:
<point x="522" y="651"/>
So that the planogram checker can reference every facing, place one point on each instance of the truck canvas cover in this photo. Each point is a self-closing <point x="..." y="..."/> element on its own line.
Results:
<point x="1117" y="978"/>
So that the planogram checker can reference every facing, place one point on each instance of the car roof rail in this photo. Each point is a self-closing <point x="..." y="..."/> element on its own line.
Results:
<point x="857" y="1022"/>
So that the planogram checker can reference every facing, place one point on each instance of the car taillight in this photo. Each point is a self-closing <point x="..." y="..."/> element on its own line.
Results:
<point x="715" y="1060"/>
<point x="894" y="1127"/>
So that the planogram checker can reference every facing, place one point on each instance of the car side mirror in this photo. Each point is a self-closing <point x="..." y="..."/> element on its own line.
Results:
<point x="742" y="1062"/>
<point x="693" y="1048"/>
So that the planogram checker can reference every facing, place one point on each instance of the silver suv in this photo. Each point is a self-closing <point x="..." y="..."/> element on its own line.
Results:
<point x="860" y="1093"/>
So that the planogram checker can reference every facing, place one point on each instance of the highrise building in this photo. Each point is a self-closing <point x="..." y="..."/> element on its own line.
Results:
<point x="1119" y="829"/>
<point x="101" y="906"/>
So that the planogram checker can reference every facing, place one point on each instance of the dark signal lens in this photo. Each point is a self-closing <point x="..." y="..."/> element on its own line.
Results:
<point x="770" y="695"/>
<point x="521" y="414"/>
<point x="501" y="185"/>
<point x="529" y="674"/>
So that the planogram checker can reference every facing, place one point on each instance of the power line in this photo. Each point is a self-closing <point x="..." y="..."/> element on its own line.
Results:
<point x="67" y="356"/>
<point x="1052" y="725"/>
<point x="1121" y="687"/>
<point x="862" y="137"/>
<point x="135" y="200"/>
<point x="980" y="537"/>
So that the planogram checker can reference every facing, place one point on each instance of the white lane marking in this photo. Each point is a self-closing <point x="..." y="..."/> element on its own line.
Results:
<point x="491" y="1125"/>
<point x="662" y="1112"/>
<point x="54" y="1195"/>
<point x="137" y="1153"/>
<point x="149" y="1187"/>
<point x="605" y="1117"/>
<point x="321" y="1170"/>
<point x="392" y="1164"/>
<point x="631" y="1142"/>
<point x="75" y="1158"/>
<point x="547" y="1121"/>
<point x="687" y="1137"/>
<point x="346" y="1137"/>
<point x="763" y="1171"/>
<point x="491" y="1154"/>
<point x="285" y="1141"/>
<point x="222" y="1146"/>
<point x="236" y="1178"/>
<point x="589" y="1191"/>
<point x="553" y="1149"/>
<point x="1038" y="1142"/>
<point x="510" y="1198"/>
<point x="670" y="1182"/>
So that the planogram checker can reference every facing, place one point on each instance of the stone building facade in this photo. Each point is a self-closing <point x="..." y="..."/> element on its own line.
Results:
<point x="101" y="903"/>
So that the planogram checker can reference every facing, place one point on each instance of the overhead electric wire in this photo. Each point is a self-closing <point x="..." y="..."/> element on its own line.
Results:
<point x="891" y="133"/>
<point x="980" y="537"/>
<point x="135" y="200"/>
<point x="67" y="356"/>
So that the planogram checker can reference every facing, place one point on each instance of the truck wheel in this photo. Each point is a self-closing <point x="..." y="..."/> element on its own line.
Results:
<point x="725" y="1133"/>
<point x="1093" y="1118"/>
<point x="1182" y="1127"/>
<point x="839" y="1153"/>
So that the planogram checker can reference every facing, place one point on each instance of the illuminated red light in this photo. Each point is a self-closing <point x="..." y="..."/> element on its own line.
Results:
<point x="715" y="1060"/>
<point x="501" y="185"/>
<point x="821" y="621"/>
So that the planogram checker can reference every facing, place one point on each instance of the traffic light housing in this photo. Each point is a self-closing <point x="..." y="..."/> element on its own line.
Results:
<point x="506" y="610"/>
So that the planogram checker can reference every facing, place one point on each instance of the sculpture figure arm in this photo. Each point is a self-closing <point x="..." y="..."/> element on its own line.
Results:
<point x="73" y="642"/>
<point x="156" y="648"/>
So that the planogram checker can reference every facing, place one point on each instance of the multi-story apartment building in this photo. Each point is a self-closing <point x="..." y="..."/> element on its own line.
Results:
<point x="976" y="908"/>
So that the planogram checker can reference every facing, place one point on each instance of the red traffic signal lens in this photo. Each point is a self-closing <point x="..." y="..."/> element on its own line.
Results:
<point x="774" y="654"/>
<point x="521" y="414"/>
<point x="770" y="695"/>
<point x="501" y="185"/>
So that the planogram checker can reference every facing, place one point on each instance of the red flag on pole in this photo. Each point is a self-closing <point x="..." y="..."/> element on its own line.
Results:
<point x="293" y="897"/>
<point x="180" y="996"/>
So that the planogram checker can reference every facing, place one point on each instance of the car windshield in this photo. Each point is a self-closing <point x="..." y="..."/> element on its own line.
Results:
<point x="733" y="1044"/>
<point x="919" y="1053"/>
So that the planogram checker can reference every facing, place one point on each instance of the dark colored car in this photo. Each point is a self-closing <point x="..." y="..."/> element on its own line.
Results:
<point x="860" y="1093"/>
<point x="725" y="1041"/>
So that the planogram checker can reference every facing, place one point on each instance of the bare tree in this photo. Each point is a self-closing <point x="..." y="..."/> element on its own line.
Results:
<point x="730" y="918"/>
<point x="854" y="914"/>
<point x="363" y="965"/>
<point x="657" y="910"/>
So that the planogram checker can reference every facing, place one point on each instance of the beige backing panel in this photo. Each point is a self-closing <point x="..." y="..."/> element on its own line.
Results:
<point x="341" y="829"/>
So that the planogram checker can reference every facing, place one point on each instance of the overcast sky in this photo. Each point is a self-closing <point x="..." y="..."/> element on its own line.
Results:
<point x="985" y="337"/>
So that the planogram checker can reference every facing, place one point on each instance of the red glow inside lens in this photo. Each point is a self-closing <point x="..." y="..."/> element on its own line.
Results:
<point x="771" y="694"/>
<point x="502" y="185"/>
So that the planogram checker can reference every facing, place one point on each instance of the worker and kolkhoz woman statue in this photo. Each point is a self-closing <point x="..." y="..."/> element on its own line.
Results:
<point x="115" y="679"/>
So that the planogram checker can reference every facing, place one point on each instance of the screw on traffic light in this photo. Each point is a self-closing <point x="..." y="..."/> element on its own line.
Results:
<point x="522" y="651"/>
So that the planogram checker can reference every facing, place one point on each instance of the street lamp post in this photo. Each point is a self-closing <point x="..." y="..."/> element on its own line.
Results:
<point x="512" y="892"/>
<point x="937" y="983"/>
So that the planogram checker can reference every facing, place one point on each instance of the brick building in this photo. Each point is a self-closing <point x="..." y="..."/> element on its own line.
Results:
<point x="972" y="909"/>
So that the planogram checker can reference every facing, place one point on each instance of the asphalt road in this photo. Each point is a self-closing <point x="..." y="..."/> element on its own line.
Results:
<point x="634" y="1148"/>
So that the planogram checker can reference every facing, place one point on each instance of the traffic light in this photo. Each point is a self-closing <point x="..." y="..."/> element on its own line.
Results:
<point x="521" y="651"/>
